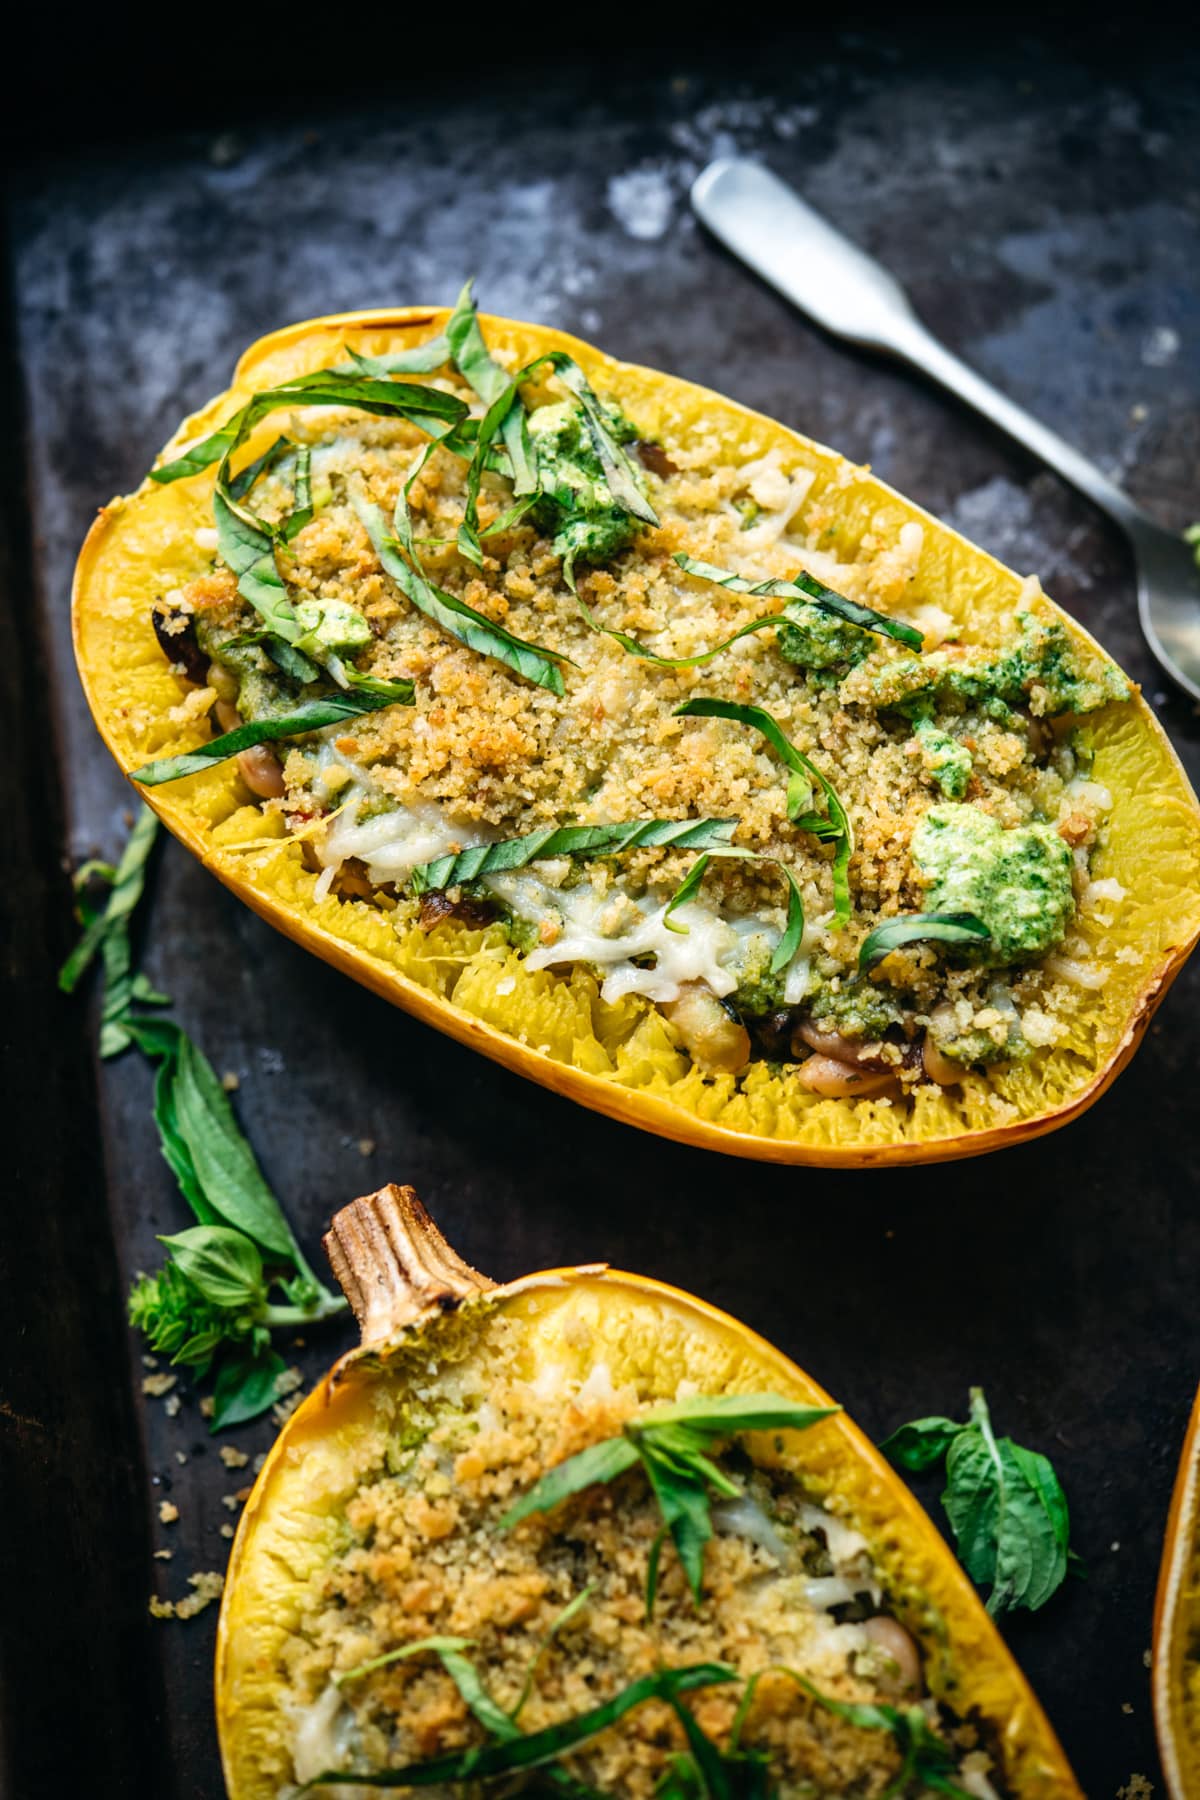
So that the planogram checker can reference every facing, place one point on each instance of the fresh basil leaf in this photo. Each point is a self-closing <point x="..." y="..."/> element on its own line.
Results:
<point x="710" y="1764"/>
<point x="225" y="1165"/>
<point x="569" y="1613"/>
<point x="247" y="1384"/>
<point x="571" y="840"/>
<point x="310" y="715"/>
<point x="804" y="587"/>
<point x="921" y="1444"/>
<point x="919" y="928"/>
<point x="683" y="1502"/>
<point x="802" y="774"/>
<point x="223" y="1264"/>
<point x="533" y="1750"/>
<point x="454" y="615"/>
<point x="793" y="931"/>
<point x="1005" y="1505"/>
<point x="598" y="1463"/>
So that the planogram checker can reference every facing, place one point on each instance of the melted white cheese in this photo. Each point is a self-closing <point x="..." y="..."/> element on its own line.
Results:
<point x="700" y="953"/>
<point x="322" y="1736"/>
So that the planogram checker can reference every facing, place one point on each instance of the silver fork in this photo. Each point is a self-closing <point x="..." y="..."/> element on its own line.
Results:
<point x="766" y="223"/>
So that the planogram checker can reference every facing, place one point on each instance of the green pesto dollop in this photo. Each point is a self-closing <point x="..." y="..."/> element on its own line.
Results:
<point x="856" y="1008"/>
<point x="946" y="761"/>
<point x="975" y="1046"/>
<point x="577" y="506"/>
<point x="263" y="690"/>
<point x="1017" y="881"/>
<point x="816" y="640"/>
<point x="1040" y="667"/>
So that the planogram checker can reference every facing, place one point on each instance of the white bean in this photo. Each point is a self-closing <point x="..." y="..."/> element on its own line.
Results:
<point x="713" y="1038"/>
<point x="259" y="769"/>
<point x="841" y="1080"/>
<point x="939" y="1068"/>
<point x="899" y="1646"/>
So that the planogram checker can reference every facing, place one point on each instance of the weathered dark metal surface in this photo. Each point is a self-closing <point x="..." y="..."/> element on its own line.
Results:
<point x="1046" y="217"/>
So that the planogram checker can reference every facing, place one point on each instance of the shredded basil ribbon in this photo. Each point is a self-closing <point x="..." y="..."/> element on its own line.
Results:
<point x="312" y="715"/>
<point x="571" y="840"/>
<point x="919" y="928"/>
<point x="803" y="587"/>
<point x="803" y="773"/>
<point x="531" y="661"/>
<point x="536" y="1748"/>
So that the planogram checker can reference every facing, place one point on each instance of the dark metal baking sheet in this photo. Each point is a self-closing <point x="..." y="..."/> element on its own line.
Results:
<point x="1044" y="212"/>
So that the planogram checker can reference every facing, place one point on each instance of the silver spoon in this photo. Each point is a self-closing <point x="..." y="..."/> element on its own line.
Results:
<point x="811" y="264"/>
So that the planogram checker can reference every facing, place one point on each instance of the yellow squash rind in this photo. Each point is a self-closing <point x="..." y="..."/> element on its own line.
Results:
<point x="1175" y="1661"/>
<point x="626" y="1061"/>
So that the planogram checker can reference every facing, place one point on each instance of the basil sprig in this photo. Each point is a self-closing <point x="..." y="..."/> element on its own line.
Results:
<point x="310" y="715"/>
<point x="919" y="928"/>
<point x="106" y="933"/>
<point x="1005" y="1504"/>
<point x="834" y="825"/>
<point x="209" y="1306"/>
<point x="671" y="1444"/>
<point x="804" y="587"/>
<point x="570" y="840"/>
<point x="535" y="1749"/>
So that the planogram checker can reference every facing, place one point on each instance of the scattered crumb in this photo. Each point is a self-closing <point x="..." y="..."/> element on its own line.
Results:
<point x="181" y="1457"/>
<point x="259" y="1461"/>
<point x="231" y="1081"/>
<point x="1145" y="1659"/>
<point x="227" y="1531"/>
<point x="1114" y="1547"/>
<point x="232" y="1457"/>
<point x="208" y="1406"/>
<point x="163" y="1555"/>
<point x="149" y="1362"/>
<point x="289" y="1381"/>
<point x="231" y="1501"/>
<point x="207" y="1586"/>
<point x="171" y="1405"/>
<point x="1138" y="1787"/>
<point x="158" y="1384"/>
<point x="243" y="1494"/>
<point x="282" y="1412"/>
<point x="366" y="1146"/>
<point x="1126" y="1706"/>
<point x="168" y="1512"/>
<point x="299" y="1343"/>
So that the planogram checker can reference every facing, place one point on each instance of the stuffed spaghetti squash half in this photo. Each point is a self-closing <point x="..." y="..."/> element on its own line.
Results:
<point x="583" y="1534"/>
<point x="641" y="743"/>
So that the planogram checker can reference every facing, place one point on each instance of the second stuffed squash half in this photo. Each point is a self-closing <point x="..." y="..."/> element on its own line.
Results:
<point x="640" y="743"/>
<point x="585" y="1535"/>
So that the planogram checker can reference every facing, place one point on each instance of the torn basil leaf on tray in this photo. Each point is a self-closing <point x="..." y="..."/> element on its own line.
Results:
<point x="583" y="1535"/>
<point x="642" y="743"/>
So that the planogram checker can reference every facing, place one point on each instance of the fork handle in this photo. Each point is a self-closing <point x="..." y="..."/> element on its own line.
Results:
<point x="766" y="224"/>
